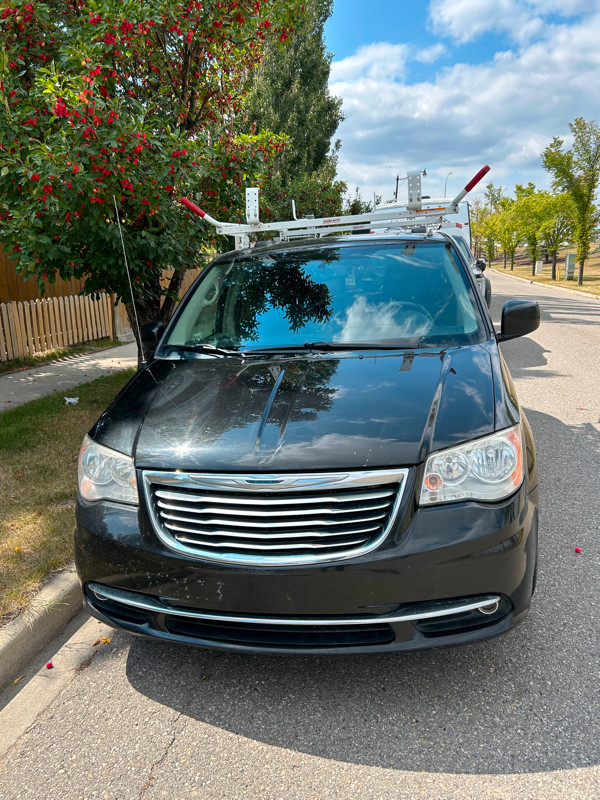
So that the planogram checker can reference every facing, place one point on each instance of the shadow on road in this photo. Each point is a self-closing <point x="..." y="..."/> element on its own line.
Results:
<point x="574" y="312"/>
<point x="560" y="308"/>
<point x="525" y="702"/>
<point x="525" y="357"/>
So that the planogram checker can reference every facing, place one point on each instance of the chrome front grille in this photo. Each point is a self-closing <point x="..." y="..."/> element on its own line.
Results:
<point x="274" y="519"/>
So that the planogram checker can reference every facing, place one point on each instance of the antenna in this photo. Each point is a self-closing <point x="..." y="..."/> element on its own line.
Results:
<point x="137" y="323"/>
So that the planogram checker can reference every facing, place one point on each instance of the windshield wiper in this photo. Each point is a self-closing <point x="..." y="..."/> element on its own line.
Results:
<point x="209" y="349"/>
<point x="332" y="346"/>
<point x="275" y="349"/>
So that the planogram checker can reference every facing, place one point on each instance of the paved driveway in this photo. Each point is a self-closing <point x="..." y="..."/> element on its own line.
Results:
<point x="514" y="717"/>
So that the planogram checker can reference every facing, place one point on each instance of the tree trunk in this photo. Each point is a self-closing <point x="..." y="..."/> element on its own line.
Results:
<point x="534" y="258"/>
<point x="554" y="265"/>
<point x="133" y="321"/>
<point x="580" y="277"/>
<point x="146" y="312"/>
<point x="505" y="258"/>
<point x="153" y="310"/>
<point x="169" y="303"/>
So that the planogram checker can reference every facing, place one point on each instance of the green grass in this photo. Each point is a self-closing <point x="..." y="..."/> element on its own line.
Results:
<point x="39" y="446"/>
<point x="53" y="355"/>
<point x="591" y="271"/>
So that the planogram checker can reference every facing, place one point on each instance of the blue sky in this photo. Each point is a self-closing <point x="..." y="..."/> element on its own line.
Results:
<point x="449" y="85"/>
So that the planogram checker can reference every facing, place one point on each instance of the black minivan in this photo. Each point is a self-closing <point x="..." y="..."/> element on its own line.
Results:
<point x="323" y="453"/>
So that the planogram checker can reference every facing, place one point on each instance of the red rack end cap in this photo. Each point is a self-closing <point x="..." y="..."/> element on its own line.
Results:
<point x="475" y="180"/>
<point x="192" y="207"/>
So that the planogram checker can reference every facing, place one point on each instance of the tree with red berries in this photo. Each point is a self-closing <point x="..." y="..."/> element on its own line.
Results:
<point x="111" y="111"/>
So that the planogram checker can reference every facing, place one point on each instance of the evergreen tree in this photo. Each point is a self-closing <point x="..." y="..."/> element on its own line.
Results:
<point x="289" y="94"/>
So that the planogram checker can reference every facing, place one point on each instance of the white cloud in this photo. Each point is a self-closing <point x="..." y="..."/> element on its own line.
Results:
<point x="502" y="112"/>
<point x="465" y="20"/>
<point x="382" y="61"/>
<point x="377" y="62"/>
<point x="430" y="54"/>
<point x="391" y="320"/>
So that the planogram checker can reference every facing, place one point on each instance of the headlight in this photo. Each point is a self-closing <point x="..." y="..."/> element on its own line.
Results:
<point x="486" y="469"/>
<point x="105" y="474"/>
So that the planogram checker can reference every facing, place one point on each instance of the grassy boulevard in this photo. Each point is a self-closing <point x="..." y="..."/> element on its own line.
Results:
<point x="39" y="447"/>
<point x="591" y="274"/>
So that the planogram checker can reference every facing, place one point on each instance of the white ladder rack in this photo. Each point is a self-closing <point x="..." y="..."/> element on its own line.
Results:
<point x="405" y="218"/>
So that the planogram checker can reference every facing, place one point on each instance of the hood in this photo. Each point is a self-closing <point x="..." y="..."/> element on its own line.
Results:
<point x="290" y="413"/>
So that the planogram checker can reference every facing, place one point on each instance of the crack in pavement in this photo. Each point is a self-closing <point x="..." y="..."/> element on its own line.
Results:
<point x="163" y="757"/>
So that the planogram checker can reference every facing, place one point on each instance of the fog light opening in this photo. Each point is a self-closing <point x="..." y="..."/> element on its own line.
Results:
<point x="489" y="609"/>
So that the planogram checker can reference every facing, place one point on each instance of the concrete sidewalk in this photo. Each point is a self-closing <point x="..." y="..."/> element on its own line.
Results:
<point x="32" y="383"/>
<point x="61" y="598"/>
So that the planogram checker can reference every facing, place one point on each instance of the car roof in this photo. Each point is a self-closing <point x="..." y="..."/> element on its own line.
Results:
<point x="337" y="241"/>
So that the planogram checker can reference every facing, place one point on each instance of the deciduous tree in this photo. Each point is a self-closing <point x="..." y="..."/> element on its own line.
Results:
<point x="112" y="109"/>
<point x="508" y="230"/>
<point x="529" y="211"/>
<point x="558" y="223"/>
<point x="577" y="172"/>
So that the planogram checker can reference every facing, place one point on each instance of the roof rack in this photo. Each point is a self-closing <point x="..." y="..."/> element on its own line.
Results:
<point x="405" y="218"/>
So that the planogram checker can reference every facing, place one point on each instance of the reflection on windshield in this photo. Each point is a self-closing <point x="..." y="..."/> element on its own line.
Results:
<point x="281" y="285"/>
<point x="377" y="293"/>
<point x="388" y="320"/>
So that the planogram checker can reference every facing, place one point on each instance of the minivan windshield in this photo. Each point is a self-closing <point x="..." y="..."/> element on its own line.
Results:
<point x="405" y="294"/>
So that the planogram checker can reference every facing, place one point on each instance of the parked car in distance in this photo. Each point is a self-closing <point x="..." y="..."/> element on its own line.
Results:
<point x="324" y="453"/>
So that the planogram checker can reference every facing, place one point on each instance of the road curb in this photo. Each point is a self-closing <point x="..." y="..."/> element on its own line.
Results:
<point x="545" y="285"/>
<point x="54" y="606"/>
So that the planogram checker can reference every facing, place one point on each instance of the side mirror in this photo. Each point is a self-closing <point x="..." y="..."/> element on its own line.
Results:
<point x="150" y="334"/>
<point x="480" y="264"/>
<point x="519" y="317"/>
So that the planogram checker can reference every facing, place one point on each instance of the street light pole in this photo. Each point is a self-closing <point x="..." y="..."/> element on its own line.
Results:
<point x="446" y="184"/>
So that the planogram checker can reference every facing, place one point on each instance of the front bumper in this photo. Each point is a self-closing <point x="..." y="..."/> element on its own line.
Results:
<point x="424" y="586"/>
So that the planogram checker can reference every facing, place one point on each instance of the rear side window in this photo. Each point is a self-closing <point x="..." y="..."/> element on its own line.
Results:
<point x="411" y="293"/>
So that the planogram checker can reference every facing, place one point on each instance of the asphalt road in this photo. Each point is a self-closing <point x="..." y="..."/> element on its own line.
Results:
<point x="513" y="717"/>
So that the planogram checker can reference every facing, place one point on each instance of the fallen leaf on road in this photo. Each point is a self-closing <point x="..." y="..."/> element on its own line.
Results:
<point x="16" y="680"/>
<point x="101" y="641"/>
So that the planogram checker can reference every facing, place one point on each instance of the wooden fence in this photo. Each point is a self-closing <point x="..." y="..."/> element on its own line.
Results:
<point x="15" y="287"/>
<point x="34" y="326"/>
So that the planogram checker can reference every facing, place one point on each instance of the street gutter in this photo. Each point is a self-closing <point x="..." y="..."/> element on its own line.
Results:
<point x="49" y="613"/>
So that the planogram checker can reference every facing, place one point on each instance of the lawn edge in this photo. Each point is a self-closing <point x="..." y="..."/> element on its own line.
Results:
<point x="53" y="607"/>
<point x="578" y="292"/>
